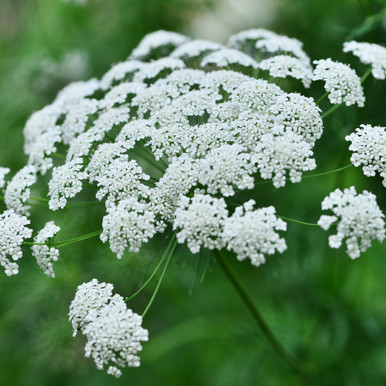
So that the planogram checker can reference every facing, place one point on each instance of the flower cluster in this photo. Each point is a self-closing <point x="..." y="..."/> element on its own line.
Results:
<point x="45" y="255"/>
<point x="368" y="145"/>
<point x="114" y="333"/>
<point x="358" y="217"/>
<point x="369" y="53"/>
<point x="13" y="231"/>
<point x="341" y="82"/>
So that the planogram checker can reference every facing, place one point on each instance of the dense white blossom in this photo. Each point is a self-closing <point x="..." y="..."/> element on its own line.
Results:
<point x="120" y="71"/>
<point x="114" y="333"/>
<point x="18" y="190"/>
<point x="127" y="226"/>
<point x="298" y="114"/>
<point x="13" y="231"/>
<point x="201" y="220"/>
<point x="227" y="57"/>
<point x="179" y="178"/>
<point x="162" y="42"/>
<point x="242" y="38"/>
<point x="91" y="296"/>
<point x="275" y="154"/>
<point x="195" y="48"/>
<point x="368" y="144"/>
<point x="3" y="173"/>
<point x="341" y="82"/>
<point x="359" y="220"/>
<point x="253" y="233"/>
<point x="151" y="70"/>
<point x="225" y="167"/>
<point x="281" y="66"/>
<point x="369" y="53"/>
<point x="65" y="183"/>
<point x="45" y="254"/>
<point x="279" y="44"/>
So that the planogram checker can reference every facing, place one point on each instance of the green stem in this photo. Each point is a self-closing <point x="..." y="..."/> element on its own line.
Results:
<point x="321" y="98"/>
<point x="250" y="304"/>
<point x="58" y="155"/>
<point x="153" y="273"/>
<point x="298" y="221"/>
<point x="63" y="243"/>
<point x="174" y="244"/>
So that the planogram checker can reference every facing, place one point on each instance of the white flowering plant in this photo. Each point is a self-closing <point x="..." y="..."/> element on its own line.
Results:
<point x="178" y="140"/>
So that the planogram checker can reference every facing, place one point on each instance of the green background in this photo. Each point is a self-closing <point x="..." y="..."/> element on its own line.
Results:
<point x="326" y="309"/>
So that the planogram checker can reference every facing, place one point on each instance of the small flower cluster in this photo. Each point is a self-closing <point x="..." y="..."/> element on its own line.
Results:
<point x="114" y="333"/>
<point x="368" y="145"/>
<point x="369" y="53"/>
<point x="341" y="82"/>
<point x="45" y="255"/>
<point x="13" y="231"/>
<point x="204" y="222"/>
<point x="358" y="217"/>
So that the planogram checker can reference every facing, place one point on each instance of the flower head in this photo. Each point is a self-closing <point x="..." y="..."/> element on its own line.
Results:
<point x="369" y="53"/>
<point x="13" y="231"/>
<point x="45" y="255"/>
<point x="358" y="218"/>
<point x="368" y="145"/>
<point x="253" y="233"/>
<point x="341" y="82"/>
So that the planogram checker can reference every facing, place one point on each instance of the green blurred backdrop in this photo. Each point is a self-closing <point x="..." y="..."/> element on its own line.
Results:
<point x="326" y="309"/>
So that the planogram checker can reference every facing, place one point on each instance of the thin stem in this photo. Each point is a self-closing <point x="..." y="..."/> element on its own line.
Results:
<point x="250" y="304"/>
<point x="174" y="244"/>
<point x="325" y="173"/>
<point x="321" y="98"/>
<point x="298" y="221"/>
<point x="153" y="274"/>
<point x="63" y="243"/>
<point x="58" y="155"/>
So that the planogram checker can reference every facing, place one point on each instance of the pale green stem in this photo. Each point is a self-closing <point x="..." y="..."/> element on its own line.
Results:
<point x="174" y="244"/>
<point x="153" y="273"/>
<point x="249" y="302"/>
<point x="298" y="221"/>
<point x="63" y="243"/>
<point x="58" y="155"/>
<point x="321" y="98"/>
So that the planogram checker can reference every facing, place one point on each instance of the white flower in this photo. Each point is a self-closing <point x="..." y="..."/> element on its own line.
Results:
<point x="18" y="191"/>
<point x="226" y="57"/>
<point x="358" y="217"/>
<point x="3" y="173"/>
<point x="252" y="233"/>
<point x="91" y="296"/>
<point x="158" y="42"/>
<point x="341" y="82"/>
<point x="127" y="226"/>
<point x="201" y="220"/>
<point x="119" y="72"/>
<point x="13" y="232"/>
<point x="149" y="71"/>
<point x="369" y="53"/>
<point x="114" y="333"/>
<point x="45" y="254"/>
<point x="281" y="66"/>
<point x="66" y="182"/>
<point x="298" y="114"/>
<point x="283" y="44"/>
<point x="368" y="144"/>
<point x="194" y="49"/>
<point x="179" y="178"/>
<point x="275" y="154"/>
<point x="242" y="39"/>
<point x="225" y="167"/>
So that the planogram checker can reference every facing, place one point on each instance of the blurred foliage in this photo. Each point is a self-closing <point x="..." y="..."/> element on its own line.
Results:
<point x="328" y="310"/>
